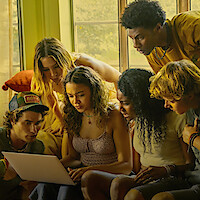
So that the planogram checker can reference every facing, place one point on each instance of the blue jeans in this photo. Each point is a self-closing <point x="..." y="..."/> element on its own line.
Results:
<point x="48" y="191"/>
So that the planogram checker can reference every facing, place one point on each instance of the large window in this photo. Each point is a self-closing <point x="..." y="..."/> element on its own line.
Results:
<point x="16" y="36"/>
<point x="98" y="33"/>
<point x="9" y="51"/>
<point x="96" y="29"/>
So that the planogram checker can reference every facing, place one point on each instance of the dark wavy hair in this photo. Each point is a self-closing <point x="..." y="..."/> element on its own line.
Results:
<point x="99" y="99"/>
<point x="150" y="113"/>
<point x="143" y="13"/>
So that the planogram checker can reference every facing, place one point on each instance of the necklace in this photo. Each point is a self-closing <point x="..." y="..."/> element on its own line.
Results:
<point x="89" y="118"/>
<point x="168" y="43"/>
<point x="159" y="58"/>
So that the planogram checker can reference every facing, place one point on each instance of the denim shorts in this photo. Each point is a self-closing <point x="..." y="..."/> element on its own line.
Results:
<point x="162" y="185"/>
<point x="185" y="194"/>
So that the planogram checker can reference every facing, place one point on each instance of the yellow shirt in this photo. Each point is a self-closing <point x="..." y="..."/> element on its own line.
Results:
<point x="185" y="43"/>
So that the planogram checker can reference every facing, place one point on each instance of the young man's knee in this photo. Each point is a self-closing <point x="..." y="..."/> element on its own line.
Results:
<point x="163" y="196"/>
<point x="134" y="194"/>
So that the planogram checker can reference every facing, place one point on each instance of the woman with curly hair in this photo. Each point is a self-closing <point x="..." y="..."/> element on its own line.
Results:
<point x="51" y="64"/>
<point x="96" y="134"/>
<point x="159" y="151"/>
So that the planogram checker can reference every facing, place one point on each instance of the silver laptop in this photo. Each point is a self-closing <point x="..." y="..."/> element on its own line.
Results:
<point x="40" y="168"/>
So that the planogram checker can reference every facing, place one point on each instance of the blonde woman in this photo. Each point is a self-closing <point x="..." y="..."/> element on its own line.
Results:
<point x="51" y="63"/>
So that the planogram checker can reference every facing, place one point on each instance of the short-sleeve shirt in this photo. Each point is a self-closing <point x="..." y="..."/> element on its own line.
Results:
<point x="185" y="41"/>
<point x="169" y="150"/>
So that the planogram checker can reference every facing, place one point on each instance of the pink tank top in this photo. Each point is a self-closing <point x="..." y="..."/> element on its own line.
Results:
<point x="96" y="151"/>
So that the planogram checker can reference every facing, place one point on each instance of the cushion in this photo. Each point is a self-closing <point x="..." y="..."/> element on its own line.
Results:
<point x="20" y="82"/>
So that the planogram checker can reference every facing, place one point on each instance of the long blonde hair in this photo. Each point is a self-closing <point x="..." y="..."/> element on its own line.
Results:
<point x="49" y="47"/>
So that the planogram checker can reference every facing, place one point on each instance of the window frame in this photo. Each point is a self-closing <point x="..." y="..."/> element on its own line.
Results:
<point x="20" y="36"/>
<point x="181" y="6"/>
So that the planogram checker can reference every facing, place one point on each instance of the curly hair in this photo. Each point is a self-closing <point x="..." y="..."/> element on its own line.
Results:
<point x="150" y="113"/>
<point x="99" y="99"/>
<point x="14" y="116"/>
<point x="143" y="13"/>
<point x="49" y="47"/>
<point x="175" y="80"/>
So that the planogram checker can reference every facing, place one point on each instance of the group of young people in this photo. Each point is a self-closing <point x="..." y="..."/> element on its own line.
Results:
<point x="145" y="148"/>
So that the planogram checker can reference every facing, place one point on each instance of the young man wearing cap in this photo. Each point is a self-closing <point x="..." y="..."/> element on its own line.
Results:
<point x="22" y="123"/>
<point x="161" y="40"/>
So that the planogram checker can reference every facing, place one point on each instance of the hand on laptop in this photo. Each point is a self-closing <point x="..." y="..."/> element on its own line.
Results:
<point x="76" y="174"/>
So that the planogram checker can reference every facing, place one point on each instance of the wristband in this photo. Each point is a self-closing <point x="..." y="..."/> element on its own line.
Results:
<point x="169" y="170"/>
<point x="192" y="138"/>
<point x="5" y="163"/>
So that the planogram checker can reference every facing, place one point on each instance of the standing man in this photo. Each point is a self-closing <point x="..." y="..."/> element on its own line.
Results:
<point x="161" y="40"/>
<point x="22" y="123"/>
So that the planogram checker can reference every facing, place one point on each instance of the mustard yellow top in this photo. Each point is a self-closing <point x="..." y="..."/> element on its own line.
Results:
<point x="185" y="43"/>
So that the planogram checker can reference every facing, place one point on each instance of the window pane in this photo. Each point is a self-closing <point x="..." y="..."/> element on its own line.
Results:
<point x="95" y="10"/>
<point x="16" y="61"/>
<point x="136" y="59"/>
<point x="195" y="5"/>
<point x="99" y="41"/>
<point x="96" y="29"/>
<point x="169" y="7"/>
<point x="5" y="53"/>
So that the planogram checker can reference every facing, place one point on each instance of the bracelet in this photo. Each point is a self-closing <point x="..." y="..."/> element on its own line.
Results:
<point x="192" y="138"/>
<point x="169" y="170"/>
<point x="5" y="163"/>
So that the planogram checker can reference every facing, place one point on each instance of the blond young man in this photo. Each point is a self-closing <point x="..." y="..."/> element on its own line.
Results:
<point x="178" y="83"/>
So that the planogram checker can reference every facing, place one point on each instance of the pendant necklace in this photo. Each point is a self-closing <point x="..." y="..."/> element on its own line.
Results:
<point x="168" y="43"/>
<point x="89" y="118"/>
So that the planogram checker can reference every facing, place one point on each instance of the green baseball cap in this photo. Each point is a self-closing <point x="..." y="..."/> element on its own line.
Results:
<point x="25" y="100"/>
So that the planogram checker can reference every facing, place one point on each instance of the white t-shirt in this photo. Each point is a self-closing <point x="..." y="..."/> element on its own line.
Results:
<point x="169" y="150"/>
